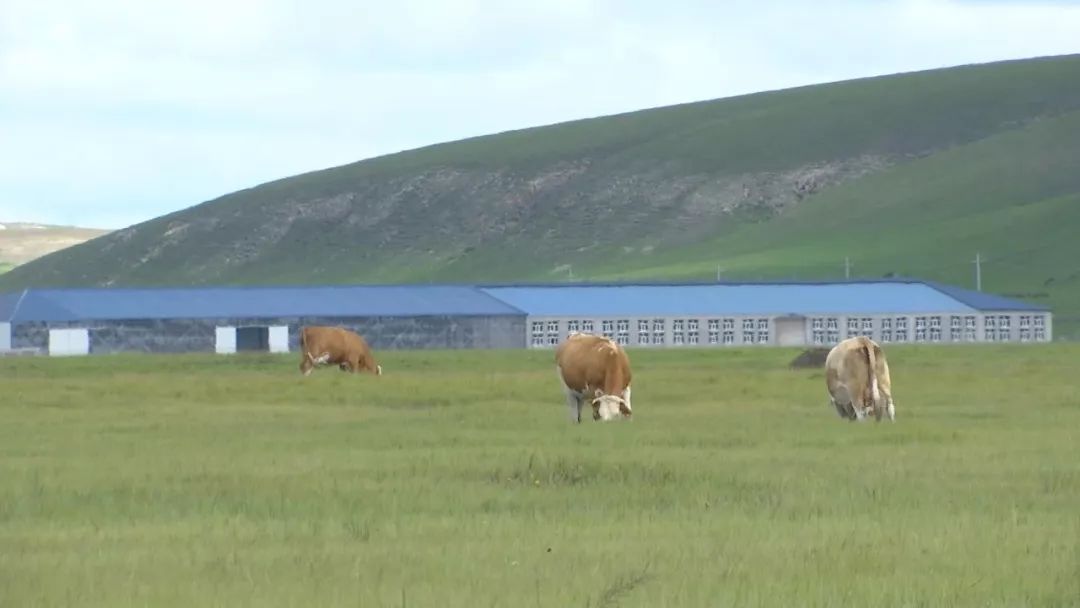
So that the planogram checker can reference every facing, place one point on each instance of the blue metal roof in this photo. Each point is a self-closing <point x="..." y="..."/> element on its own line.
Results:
<point x="900" y="296"/>
<point x="985" y="301"/>
<point x="251" y="302"/>
<point x="734" y="298"/>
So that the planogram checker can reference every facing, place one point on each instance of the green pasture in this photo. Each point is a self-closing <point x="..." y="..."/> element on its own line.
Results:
<point x="456" y="480"/>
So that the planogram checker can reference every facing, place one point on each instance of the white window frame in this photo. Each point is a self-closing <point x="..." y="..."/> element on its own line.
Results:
<point x="536" y="334"/>
<point x="552" y="333"/>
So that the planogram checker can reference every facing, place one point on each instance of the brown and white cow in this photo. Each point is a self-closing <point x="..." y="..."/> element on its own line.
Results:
<point x="336" y="346"/>
<point x="857" y="376"/>
<point x="594" y="368"/>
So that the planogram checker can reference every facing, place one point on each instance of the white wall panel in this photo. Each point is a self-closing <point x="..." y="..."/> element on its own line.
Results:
<point x="279" y="338"/>
<point x="225" y="340"/>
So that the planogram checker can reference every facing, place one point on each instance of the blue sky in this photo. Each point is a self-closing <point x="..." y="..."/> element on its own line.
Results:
<point x="114" y="112"/>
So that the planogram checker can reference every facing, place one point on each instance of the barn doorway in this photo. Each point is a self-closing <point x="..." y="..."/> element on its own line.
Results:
<point x="253" y="339"/>
<point x="260" y="339"/>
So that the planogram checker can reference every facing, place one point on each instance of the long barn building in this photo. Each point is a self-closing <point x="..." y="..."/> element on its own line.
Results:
<point x="703" y="315"/>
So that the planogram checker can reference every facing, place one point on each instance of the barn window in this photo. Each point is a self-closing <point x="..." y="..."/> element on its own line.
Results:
<point x="969" y="328"/>
<point x="643" y="331"/>
<point x="867" y="326"/>
<point x="714" y="331"/>
<point x="607" y="326"/>
<point x="818" y="323"/>
<point x="587" y="327"/>
<point x="658" y="331"/>
<point x="622" y="331"/>
<point x="553" y="333"/>
<point x="901" y="334"/>
<point x="692" y="331"/>
<point x="956" y="328"/>
<point x="989" y="328"/>
<point x="920" y="329"/>
<point x="537" y="333"/>
<point x="819" y="336"/>
<point x="677" y="328"/>
<point x="763" y="336"/>
<point x="1040" y="328"/>
<point x="1004" y="331"/>
<point x="935" y="329"/>
<point x="729" y="337"/>
<point x="886" y="335"/>
<point x="729" y="324"/>
<point x="852" y="327"/>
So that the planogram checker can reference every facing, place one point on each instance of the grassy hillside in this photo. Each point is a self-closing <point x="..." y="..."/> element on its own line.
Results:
<point x="909" y="174"/>
<point x="456" y="480"/>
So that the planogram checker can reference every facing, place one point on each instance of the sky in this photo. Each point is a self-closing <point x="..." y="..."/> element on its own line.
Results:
<point x="114" y="112"/>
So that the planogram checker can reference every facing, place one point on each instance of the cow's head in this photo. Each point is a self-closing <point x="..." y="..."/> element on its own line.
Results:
<point x="610" y="407"/>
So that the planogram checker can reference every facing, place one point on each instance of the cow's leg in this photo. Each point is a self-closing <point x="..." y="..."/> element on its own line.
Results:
<point x="573" y="401"/>
<point x="891" y="411"/>
<point x="306" y="364"/>
<point x="841" y="400"/>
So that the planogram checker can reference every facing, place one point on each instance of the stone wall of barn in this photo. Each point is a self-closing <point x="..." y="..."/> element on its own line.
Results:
<point x="198" y="335"/>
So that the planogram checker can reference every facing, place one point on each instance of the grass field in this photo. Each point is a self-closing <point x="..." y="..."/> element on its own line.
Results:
<point x="456" y="480"/>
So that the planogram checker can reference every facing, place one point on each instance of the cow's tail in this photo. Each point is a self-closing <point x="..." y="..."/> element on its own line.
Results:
<point x="303" y="344"/>
<point x="871" y="361"/>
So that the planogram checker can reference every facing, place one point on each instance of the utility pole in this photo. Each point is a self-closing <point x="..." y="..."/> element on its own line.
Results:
<point x="570" y="271"/>
<point x="847" y="267"/>
<point x="717" y="273"/>
<point x="978" y="271"/>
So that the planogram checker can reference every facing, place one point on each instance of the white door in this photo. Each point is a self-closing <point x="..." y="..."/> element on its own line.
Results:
<point x="5" y="336"/>
<point x="225" y="340"/>
<point x="64" y="342"/>
<point x="791" y="332"/>
<point x="279" y="339"/>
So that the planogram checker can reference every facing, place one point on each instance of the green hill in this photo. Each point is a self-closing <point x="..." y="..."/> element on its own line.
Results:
<point x="908" y="174"/>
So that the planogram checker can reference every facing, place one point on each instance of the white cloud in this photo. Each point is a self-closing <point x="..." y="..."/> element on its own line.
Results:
<point x="125" y="110"/>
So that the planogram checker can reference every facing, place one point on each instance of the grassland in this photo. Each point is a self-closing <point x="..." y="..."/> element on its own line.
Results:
<point x="455" y="480"/>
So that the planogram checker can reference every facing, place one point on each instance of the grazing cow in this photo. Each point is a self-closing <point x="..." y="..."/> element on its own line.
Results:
<point x="595" y="368"/>
<point x="337" y="346"/>
<point x="857" y="376"/>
